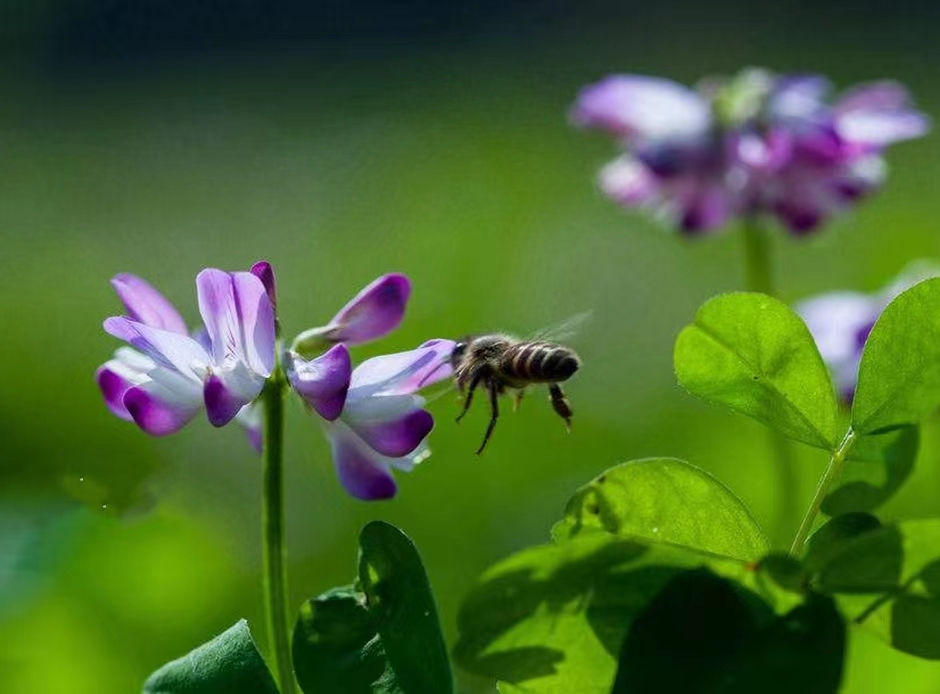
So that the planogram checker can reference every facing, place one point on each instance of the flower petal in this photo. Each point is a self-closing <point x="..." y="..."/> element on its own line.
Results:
<point x="146" y="305"/>
<point x="128" y="368"/>
<point x="643" y="108"/>
<point x="228" y="390"/>
<point x="239" y="318"/>
<point x="798" y="99"/>
<point x="879" y="114"/>
<point x="628" y="182"/>
<point x="373" y="312"/>
<point x="155" y="416"/>
<point x="264" y="272"/>
<point x="404" y="372"/>
<point x="250" y="418"/>
<point x="178" y="352"/>
<point x="362" y="472"/>
<point x="322" y="382"/>
<point x="397" y="437"/>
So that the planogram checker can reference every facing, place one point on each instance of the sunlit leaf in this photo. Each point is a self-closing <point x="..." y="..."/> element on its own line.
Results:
<point x="552" y="618"/>
<point x="703" y="633"/>
<point x="228" y="664"/>
<point x="753" y="354"/>
<point x="400" y="601"/>
<point x="878" y="464"/>
<point x="665" y="500"/>
<point x="899" y="376"/>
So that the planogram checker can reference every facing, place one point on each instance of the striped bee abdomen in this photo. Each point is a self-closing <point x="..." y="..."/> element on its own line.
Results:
<point x="538" y="362"/>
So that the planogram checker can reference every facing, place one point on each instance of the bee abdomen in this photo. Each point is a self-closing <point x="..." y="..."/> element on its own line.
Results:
<point x="540" y="361"/>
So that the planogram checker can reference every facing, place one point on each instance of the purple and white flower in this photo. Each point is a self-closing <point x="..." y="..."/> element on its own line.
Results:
<point x="166" y="376"/>
<point x="841" y="321"/>
<point x="383" y="425"/>
<point x="758" y="143"/>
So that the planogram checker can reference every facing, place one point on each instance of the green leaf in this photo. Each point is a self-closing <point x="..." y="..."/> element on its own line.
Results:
<point x="552" y="618"/>
<point x="381" y="636"/>
<point x="336" y="649"/>
<point x="753" y="354"/>
<point x="898" y="610"/>
<point x="703" y="633"/>
<point x="401" y="603"/>
<point x="665" y="500"/>
<point x="877" y="467"/>
<point x="228" y="664"/>
<point x="854" y="553"/>
<point x="899" y="376"/>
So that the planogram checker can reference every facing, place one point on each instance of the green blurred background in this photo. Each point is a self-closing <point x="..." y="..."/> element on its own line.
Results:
<point x="341" y="141"/>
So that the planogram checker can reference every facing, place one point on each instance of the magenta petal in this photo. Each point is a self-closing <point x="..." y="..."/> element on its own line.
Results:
<point x="113" y="387"/>
<point x="628" y="182"/>
<point x="146" y="305"/>
<point x="879" y="114"/>
<point x="221" y="403"/>
<point x="264" y="272"/>
<point x="322" y="382"/>
<point x="155" y="417"/>
<point x="398" y="437"/>
<point x="373" y="312"/>
<point x="361" y="473"/>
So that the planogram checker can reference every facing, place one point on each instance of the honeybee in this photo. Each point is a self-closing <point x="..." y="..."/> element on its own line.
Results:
<point x="500" y="362"/>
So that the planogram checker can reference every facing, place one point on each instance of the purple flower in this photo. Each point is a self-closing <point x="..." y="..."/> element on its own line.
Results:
<point x="383" y="424"/>
<point x="755" y="144"/>
<point x="841" y="321"/>
<point x="375" y="311"/>
<point x="167" y="376"/>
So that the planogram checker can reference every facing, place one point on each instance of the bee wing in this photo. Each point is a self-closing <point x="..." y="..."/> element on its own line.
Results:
<point x="564" y="330"/>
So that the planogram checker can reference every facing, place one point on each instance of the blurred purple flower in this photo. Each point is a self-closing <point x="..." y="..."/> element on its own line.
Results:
<point x="167" y="376"/>
<point x="841" y="321"/>
<point x="755" y="144"/>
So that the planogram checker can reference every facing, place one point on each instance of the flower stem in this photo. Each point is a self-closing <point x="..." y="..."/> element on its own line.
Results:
<point x="833" y="470"/>
<point x="273" y="547"/>
<point x="759" y="278"/>
<point x="758" y="274"/>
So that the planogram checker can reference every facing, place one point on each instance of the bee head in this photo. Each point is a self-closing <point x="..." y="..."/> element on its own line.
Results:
<point x="457" y="354"/>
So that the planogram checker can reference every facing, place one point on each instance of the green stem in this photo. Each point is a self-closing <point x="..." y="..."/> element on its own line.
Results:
<point x="759" y="278"/>
<point x="833" y="470"/>
<point x="273" y="547"/>
<point x="758" y="275"/>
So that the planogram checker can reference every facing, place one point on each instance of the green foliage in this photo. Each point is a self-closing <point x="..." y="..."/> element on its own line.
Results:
<point x="877" y="467"/>
<point x="336" y="648"/>
<point x="899" y="376"/>
<point x="664" y="500"/>
<point x="228" y="664"/>
<point x="703" y="633"/>
<point x="553" y="618"/>
<point x="887" y="577"/>
<point x="380" y="636"/>
<point x="753" y="354"/>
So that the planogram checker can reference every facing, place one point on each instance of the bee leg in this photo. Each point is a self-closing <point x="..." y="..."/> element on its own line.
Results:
<point x="560" y="404"/>
<point x="494" y="414"/>
<point x="468" y="400"/>
<point x="517" y="399"/>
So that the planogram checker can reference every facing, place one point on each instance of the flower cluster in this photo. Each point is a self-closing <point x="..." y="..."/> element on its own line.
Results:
<point x="758" y="143"/>
<point x="373" y="415"/>
<point x="841" y="321"/>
